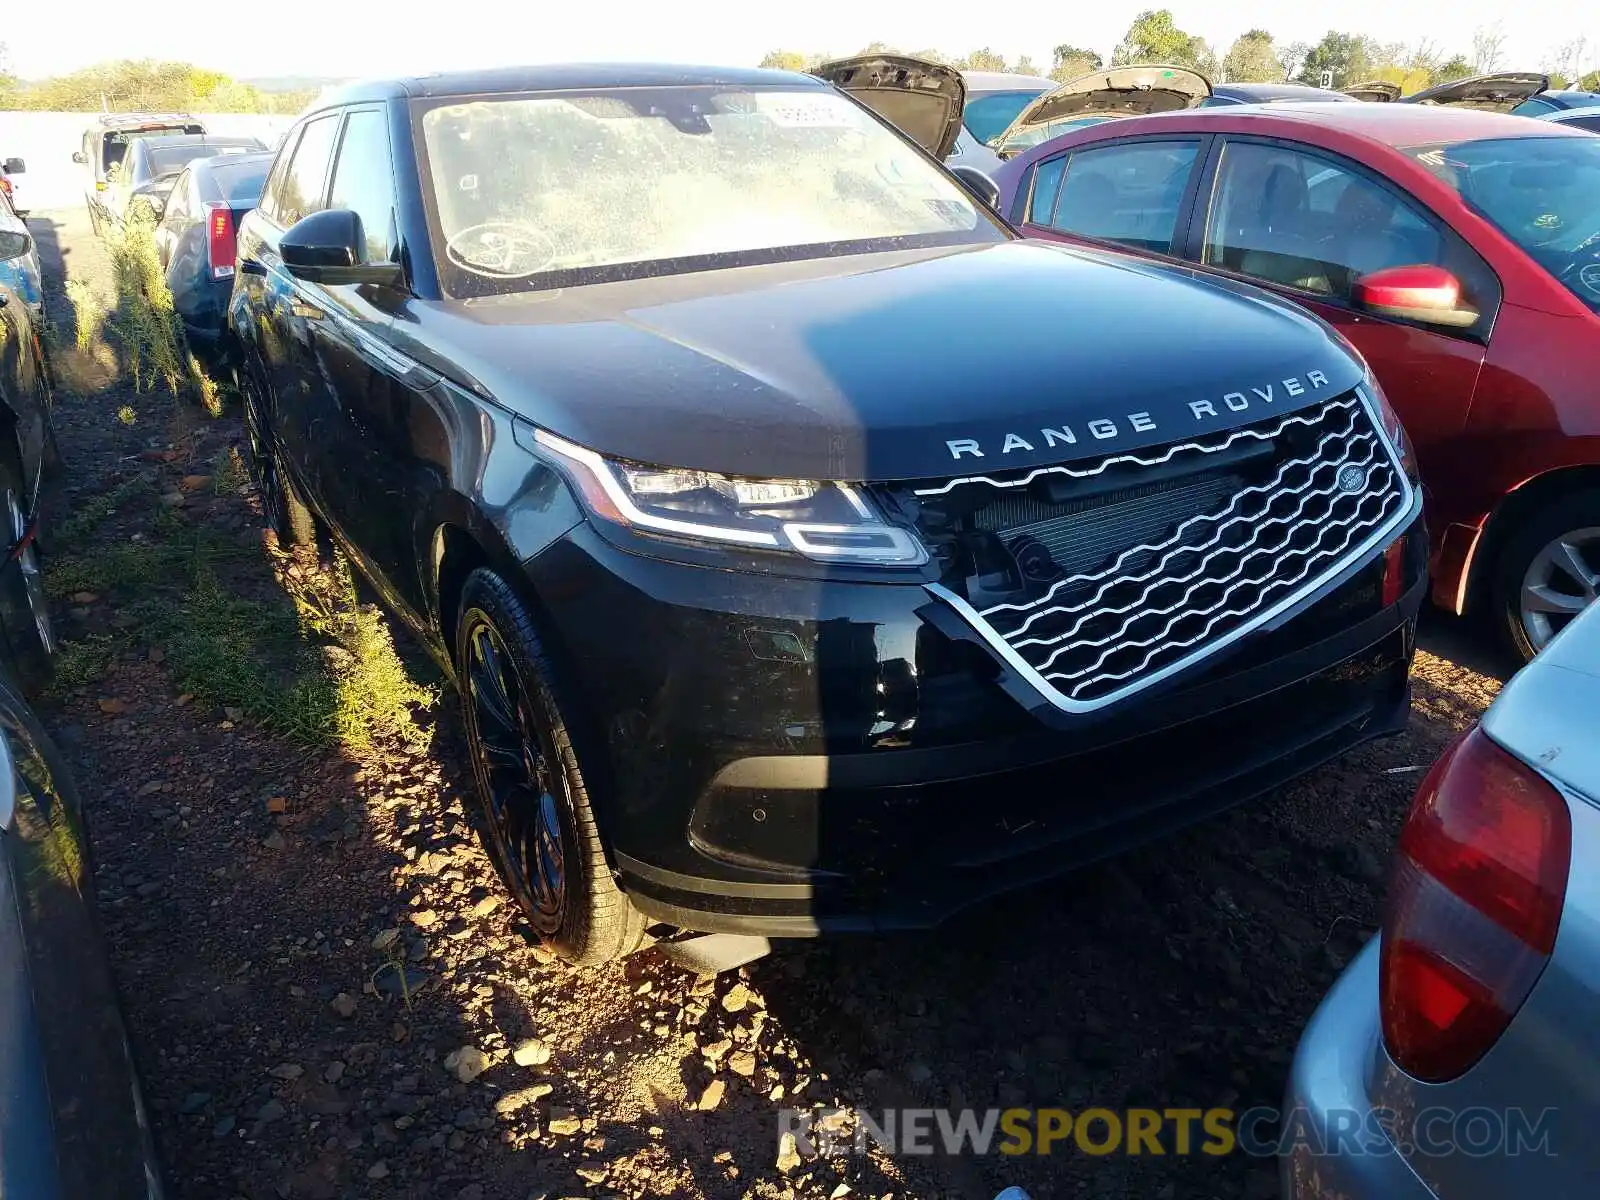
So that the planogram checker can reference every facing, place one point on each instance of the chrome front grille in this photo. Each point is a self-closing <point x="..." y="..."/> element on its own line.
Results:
<point x="1149" y="580"/>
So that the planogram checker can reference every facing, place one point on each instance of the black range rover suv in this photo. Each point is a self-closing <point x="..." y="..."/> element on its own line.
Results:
<point x="810" y="552"/>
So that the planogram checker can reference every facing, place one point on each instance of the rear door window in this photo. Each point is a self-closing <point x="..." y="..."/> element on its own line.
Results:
<point x="1130" y="193"/>
<point x="1046" y="187"/>
<point x="305" y="183"/>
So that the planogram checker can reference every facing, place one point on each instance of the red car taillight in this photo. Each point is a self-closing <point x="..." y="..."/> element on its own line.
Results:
<point x="219" y="239"/>
<point x="1480" y="880"/>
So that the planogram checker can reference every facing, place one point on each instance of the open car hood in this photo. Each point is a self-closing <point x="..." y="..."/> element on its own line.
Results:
<point x="1114" y="92"/>
<point x="1376" y="91"/>
<point x="923" y="99"/>
<point x="1491" y="93"/>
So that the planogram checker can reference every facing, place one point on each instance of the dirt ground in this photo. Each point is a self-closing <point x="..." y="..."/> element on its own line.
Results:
<point x="263" y="901"/>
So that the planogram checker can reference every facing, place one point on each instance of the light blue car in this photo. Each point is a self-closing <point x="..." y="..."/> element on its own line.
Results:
<point x="1459" y="1055"/>
<point x="20" y="275"/>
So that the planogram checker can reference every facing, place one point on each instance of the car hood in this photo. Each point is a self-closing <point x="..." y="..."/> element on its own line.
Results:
<point x="1114" y="92"/>
<point x="923" y="99"/>
<point x="870" y="367"/>
<point x="1376" y="91"/>
<point x="1492" y="93"/>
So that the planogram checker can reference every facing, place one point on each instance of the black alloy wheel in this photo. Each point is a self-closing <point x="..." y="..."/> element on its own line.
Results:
<point x="514" y="758"/>
<point x="540" y="825"/>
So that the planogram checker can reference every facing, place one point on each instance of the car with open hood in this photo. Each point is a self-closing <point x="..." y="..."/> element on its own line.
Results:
<point x="1103" y="95"/>
<point x="1504" y="92"/>
<point x="809" y="551"/>
<point x="1374" y="91"/>
<point x="1458" y="250"/>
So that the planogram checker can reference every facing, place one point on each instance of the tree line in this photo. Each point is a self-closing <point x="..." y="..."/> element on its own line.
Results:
<point x="1255" y="56"/>
<point x="144" y="85"/>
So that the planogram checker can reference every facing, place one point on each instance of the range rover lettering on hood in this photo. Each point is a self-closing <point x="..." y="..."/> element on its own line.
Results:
<point x="1106" y="428"/>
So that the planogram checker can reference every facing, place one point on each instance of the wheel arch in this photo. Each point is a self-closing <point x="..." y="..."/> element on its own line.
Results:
<point x="1506" y="517"/>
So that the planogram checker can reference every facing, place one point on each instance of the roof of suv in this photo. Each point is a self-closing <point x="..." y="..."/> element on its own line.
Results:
<point x="556" y="77"/>
<point x="111" y="122"/>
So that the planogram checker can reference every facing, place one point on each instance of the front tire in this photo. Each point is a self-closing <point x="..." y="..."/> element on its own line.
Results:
<point x="541" y="824"/>
<point x="1547" y="573"/>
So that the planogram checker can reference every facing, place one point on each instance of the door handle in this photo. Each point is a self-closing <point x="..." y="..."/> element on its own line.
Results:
<point x="249" y="266"/>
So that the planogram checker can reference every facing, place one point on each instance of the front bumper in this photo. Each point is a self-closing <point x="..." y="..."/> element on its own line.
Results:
<point x="1334" y="1146"/>
<point x="789" y="757"/>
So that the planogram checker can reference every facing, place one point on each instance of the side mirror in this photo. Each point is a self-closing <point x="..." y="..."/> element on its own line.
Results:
<point x="13" y="166"/>
<point x="1427" y="294"/>
<point x="14" y="243"/>
<point x="77" y="157"/>
<point x="328" y="246"/>
<point x="979" y="184"/>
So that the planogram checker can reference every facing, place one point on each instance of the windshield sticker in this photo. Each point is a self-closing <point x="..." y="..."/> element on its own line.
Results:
<point x="793" y="110"/>
<point x="501" y="250"/>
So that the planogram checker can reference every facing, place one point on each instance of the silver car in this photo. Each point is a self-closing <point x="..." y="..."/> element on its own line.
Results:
<point x="1459" y="1054"/>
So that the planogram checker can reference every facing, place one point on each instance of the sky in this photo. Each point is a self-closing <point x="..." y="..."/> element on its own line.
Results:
<point x="363" y="37"/>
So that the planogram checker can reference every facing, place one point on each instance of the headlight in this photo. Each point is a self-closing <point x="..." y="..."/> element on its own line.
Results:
<point x="1392" y="425"/>
<point x="826" y="521"/>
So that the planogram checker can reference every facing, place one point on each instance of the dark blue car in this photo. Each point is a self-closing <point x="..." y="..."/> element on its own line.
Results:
<point x="195" y="242"/>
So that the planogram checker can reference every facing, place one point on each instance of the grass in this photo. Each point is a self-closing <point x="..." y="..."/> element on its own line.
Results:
<point x="89" y="514"/>
<point x="144" y="323"/>
<point x="305" y="658"/>
<point x="321" y="668"/>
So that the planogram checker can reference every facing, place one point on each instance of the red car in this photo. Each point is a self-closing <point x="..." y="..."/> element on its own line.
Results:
<point x="1458" y="250"/>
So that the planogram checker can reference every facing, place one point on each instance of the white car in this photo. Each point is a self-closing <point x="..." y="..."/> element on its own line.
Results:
<point x="11" y="185"/>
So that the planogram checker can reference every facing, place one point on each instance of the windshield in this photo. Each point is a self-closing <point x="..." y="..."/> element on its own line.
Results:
<point x="240" y="183"/>
<point x="988" y="113"/>
<point x="114" y="146"/>
<point x="168" y="161"/>
<point x="1541" y="192"/>
<point x="537" y="191"/>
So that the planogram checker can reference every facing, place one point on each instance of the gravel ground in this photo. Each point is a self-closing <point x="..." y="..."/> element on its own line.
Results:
<point x="262" y="899"/>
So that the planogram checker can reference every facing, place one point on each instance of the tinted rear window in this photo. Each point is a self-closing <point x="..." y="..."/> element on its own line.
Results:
<point x="240" y="183"/>
<point x="169" y="160"/>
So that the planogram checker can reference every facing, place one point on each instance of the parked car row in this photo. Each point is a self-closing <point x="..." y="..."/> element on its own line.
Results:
<point x="749" y="582"/>
<point x="1005" y="114"/>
